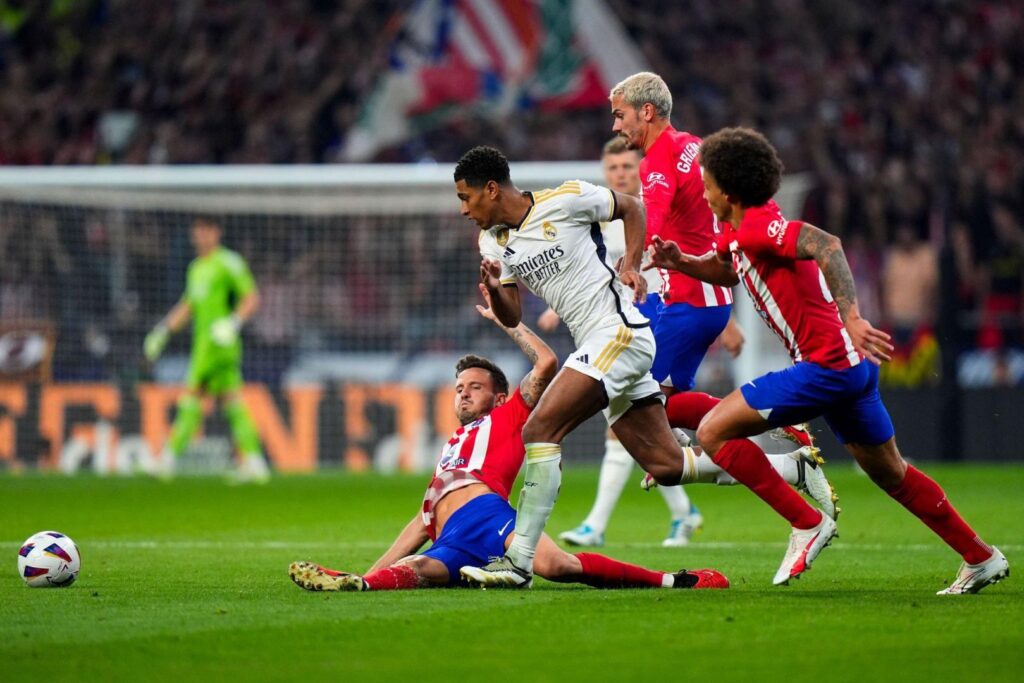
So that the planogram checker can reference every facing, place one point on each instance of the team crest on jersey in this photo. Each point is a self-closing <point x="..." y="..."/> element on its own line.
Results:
<point x="655" y="178"/>
<point x="550" y="232"/>
<point x="502" y="237"/>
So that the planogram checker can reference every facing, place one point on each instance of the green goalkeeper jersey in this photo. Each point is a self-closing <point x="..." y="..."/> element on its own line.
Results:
<point x="213" y="287"/>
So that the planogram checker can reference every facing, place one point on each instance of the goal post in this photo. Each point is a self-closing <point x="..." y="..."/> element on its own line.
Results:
<point x="367" y="278"/>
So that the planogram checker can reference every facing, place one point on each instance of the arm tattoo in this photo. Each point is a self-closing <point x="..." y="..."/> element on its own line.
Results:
<point x="532" y="387"/>
<point x="827" y="251"/>
<point x="523" y="341"/>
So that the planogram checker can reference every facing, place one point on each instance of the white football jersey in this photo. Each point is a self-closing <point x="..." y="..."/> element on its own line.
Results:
<point x="558" y="252"/>
<point x="615" y="241"/>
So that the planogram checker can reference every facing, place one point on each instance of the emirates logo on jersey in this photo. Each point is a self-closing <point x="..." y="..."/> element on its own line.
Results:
<point x="655" y="178"/>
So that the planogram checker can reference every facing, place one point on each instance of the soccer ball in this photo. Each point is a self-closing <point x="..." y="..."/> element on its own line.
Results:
<point x="49" y="560"/>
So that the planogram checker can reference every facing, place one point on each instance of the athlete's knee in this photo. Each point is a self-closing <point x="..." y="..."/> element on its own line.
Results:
<point x="709" y="436"/>
<point x="883" y="464"/>
<point x="189" y="402"/>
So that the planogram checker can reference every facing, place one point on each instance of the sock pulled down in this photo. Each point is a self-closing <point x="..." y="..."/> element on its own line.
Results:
<point x="394" y="578"/>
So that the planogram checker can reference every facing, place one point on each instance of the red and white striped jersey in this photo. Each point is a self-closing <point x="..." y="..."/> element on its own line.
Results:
<point x="489" y="449"/>
<point x="673" y="194"/>
<point x="790" y="294"/>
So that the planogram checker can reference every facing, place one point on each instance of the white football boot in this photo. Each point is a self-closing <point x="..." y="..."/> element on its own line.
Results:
<point x="811" y="480"/>
<point x="584" y="535"/>
<point x="251" y="469"/>
<point x="682" y="530"/>
<point x="973" y="577"/>
<point x="804" y="546"/>
<point x="500" y="572"/>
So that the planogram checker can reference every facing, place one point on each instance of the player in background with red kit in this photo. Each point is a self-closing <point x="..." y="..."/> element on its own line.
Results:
<point x="692" y="313"/>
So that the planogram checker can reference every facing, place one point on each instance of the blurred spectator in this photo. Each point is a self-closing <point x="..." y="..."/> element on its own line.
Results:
<point x="895" y="133"/>
<point x="910" y="283"/>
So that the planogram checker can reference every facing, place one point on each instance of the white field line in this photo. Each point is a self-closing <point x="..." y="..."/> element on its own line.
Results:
<point x="289" y="545"/>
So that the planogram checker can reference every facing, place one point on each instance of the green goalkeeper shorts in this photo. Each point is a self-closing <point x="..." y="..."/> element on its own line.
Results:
<point x="214" y="376"/>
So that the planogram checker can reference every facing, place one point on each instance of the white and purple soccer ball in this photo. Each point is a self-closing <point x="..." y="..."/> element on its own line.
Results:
<point x="49" y="559"/>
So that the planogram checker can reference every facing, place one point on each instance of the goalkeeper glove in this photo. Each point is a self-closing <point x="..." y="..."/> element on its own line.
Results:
<point x="155" y="342"/>
<point x="224" y="332"/>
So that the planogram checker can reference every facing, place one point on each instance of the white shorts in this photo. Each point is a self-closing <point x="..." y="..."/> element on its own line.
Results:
<point x="620" y="358"/>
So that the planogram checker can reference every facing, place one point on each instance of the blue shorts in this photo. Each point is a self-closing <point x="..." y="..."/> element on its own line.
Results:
<point x="474" y="533"/>
<point x="848" y="400"/>
<point x="649" y="309"/>
<point x="683" y="334"/>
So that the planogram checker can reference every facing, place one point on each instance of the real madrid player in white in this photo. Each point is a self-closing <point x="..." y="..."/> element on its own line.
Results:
<point x="551" y="240"/>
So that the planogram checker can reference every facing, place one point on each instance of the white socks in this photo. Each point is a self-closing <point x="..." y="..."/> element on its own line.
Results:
<point x="542" y="478"/>
<point x="616" y="468"/>
<point x="701" y="469"/>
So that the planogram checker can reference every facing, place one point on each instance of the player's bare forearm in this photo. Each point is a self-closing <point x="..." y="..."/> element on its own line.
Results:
<point x="827" y="251"/>
<point x="412" y="538"/>
<point x="178" y="316"/>
<point x="544" y="360"/>
<point x="248" y="305"/>
<point x="634" y="220"/>
<point x="505" y="304"/>
<point x="708" y="268"/>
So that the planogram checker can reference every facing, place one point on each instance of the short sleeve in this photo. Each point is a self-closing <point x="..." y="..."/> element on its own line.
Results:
<point x="513" y="412"/>
<point x="242" y="282"/>
<point x="770" y="238"/>
<point x="489" y="249"/>
<point x="593" y="204"/>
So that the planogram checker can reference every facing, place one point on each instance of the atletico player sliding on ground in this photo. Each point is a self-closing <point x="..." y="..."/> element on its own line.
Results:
<point x="466" y="512"/>
<point x="799" y="280"/>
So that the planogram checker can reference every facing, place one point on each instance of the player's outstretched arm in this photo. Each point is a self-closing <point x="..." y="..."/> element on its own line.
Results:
<point x="545" y="362"/>
<point x="827" y="251"/>
<point x="157" y="338"/>
<point x="634" y="220"/>
<point x="709" y="268"/>
<point x="412" y="538"/>
<point x="504" y="301"/>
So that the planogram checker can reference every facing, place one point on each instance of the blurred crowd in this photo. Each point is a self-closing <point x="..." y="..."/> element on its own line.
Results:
<point x="909" y="117"/>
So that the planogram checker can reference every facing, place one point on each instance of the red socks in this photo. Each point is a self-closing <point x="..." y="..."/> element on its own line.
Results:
<point x="604" y="572"/>
<point x="920" y="494"/>
<point x="687" y="409"/>
<point x="394" y="578"/>
<point x="747" y="463"/>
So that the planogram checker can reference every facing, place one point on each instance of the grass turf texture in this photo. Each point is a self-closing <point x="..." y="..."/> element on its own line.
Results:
<point x="189" y="579"/>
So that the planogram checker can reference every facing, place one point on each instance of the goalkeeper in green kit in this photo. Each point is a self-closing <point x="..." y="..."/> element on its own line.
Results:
<point x="220" y="296"/>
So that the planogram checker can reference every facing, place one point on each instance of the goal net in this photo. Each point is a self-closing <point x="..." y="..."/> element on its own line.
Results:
<point x="367" y="280"/>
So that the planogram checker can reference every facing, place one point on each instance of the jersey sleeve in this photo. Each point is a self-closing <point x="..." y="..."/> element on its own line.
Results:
<point x="658" y="178"/>
<point x="489" y="249"/>
<point x="593" y="204"/>
<point x="770" y="238"/>
<point x="242" y="282"/>
<point x="513" y="412"/>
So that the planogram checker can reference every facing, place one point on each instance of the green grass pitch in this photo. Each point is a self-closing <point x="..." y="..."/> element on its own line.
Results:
<point x="187" y="580"/>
